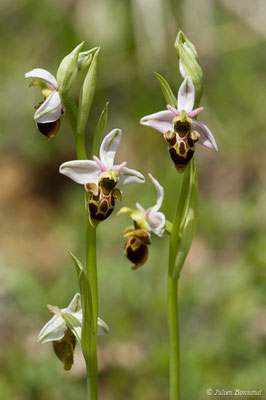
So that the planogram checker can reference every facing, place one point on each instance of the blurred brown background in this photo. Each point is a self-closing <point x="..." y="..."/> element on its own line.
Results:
<point x="222" y="296"/>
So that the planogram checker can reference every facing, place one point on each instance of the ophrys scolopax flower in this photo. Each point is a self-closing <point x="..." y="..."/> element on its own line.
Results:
<point x="145" y="222"/>
<point x="102" y="178"/>
<point x="64" y="329"/>
<point x="48" y="112"/>
<point x="179" y="128"/>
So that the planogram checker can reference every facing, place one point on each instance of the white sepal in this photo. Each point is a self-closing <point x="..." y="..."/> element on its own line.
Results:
<point x="53" y="330"/>
<point x="156" y="221"/>
<point x="186" y="95"/>
<point x="127" y="176"/>
<point x="56" y="327"/>
<point x="109" y="147"/>
<point x="81" y="171"/>
<point x="50" y="110"/>
<point x="160" y="194"/>
<point x="206" y="137"/>
<point x="162" y="121"/>
<point x="67" y="317"/>
<point x="102" y="327"/>
<point x="42" y="75"/>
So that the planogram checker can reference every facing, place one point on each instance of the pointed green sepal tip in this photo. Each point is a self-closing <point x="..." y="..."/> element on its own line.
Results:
<point x="85" y="58"/>
<point x="189" y="63"/>
<point x="181" y="38"/>
<point x="68" y="69"/>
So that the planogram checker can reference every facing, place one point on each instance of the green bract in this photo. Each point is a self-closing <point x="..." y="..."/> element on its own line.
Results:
<point x="87" y="94"/>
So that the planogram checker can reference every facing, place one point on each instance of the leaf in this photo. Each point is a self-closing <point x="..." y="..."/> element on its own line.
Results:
<point x="99" y="130"/>
<point x="167" y="91"/>
<point x="187" y="234"/>
<point x="87" y="94"/>
<point x="78" y="264"/>
<point x="87" y="332"/>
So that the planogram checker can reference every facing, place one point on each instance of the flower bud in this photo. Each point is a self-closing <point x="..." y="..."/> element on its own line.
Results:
<point x="136" y="247"/>
<point x="64" y="349"/>
<point x="67" y="71"/>
<point x="189" y="63"/>
<point x="85" y="58"/>
<point x="87" y="93"/>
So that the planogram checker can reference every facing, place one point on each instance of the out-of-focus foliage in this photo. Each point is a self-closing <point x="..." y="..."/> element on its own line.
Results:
<point x="222" y="296"/>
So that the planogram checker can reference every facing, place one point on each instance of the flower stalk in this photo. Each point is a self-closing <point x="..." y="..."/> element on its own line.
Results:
<point x="181" y="131"/>
<point x="89" y="297"/>
<point x="185" y="217"/>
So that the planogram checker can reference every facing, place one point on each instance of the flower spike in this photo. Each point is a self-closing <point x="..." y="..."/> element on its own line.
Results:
<point x="179" y="128"/>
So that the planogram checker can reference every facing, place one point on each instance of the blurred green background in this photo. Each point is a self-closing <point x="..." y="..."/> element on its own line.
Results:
<point x="222" y="295"/>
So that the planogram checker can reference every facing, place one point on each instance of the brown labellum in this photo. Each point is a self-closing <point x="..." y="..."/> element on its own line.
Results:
<point x="136" y="247"/>
<point x="181" y="148"/>
<point x="64" y="349"/>
<point x="49" y="129"/>
<point x="101" y="204"/>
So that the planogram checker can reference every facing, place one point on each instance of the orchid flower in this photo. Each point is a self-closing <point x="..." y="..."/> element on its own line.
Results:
<point x="47" y="115"/>
<point x="179" y="128"/>
<point x="151" y="220"/>
<point x="56" y="328"/>
<point x="102" y="178"/>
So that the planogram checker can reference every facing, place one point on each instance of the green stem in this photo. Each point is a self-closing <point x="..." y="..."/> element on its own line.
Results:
<point x="92" y="369"/>
<point x="90" y="302"/>
<point x="174" y="357"/>
<point x="91" y="359"/>
<point x="72" y="112"/>
<point x="92" y="270"/>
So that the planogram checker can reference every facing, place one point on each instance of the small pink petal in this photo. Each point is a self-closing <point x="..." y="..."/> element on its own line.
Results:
<point x="148" y="211"/>
<point x="100" y="163"/>
<point x="51" y="87"/>
<point x="120" y="166"/>
<point x="173" y="110"/>
<point x="192" y="114"/>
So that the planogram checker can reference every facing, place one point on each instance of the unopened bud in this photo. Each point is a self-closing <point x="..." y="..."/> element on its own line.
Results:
<point x="67" y="71"/>
<point x="189" y="63"/>
<point x="85" y="58"/>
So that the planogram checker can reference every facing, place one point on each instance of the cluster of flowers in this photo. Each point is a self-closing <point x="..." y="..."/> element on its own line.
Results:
<point x="103" y="179"/>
